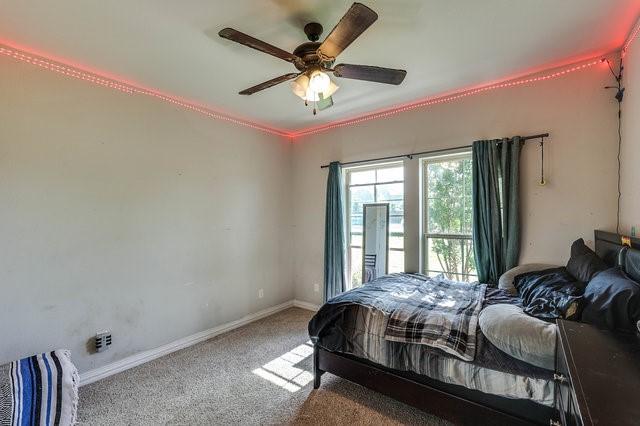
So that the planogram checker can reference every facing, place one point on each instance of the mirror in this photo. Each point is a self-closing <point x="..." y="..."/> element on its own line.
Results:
<point x="375" y="238"/>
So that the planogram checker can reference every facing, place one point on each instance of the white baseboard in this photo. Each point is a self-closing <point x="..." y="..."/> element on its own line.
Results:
<point x="305" y="305"/>
<point x="151" y="354"/>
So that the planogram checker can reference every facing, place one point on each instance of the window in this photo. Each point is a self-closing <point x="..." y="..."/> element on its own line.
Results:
<point x="447" y="244"/>
<point x="374" y="184"/>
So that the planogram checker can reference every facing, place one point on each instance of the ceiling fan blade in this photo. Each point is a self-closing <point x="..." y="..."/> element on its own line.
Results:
<point x="357" y="19"/>
<point x="370" y="73"/>
<point x="269" y="83"/>
<point x="254" y="43"/>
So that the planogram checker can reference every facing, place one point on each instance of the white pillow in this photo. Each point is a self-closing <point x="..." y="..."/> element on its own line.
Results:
<point x="506" y="280"/>
<point x="522" y="336"/>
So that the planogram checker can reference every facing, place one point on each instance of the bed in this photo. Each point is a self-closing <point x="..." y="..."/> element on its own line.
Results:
<point x="349" y="340"/>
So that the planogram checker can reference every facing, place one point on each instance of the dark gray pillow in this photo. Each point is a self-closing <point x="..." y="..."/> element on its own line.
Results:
<point x="584" y="263"/>
<point x="612" y="301"/>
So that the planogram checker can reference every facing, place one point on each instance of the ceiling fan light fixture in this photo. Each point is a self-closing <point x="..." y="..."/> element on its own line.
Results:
<point x="319" y="81"/>
<point x="301" y="87"/>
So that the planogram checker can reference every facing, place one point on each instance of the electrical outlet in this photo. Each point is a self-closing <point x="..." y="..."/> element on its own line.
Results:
<point x="260" y="294"/>
<point x="316" y="288"/>
<point x="103" y="340"/>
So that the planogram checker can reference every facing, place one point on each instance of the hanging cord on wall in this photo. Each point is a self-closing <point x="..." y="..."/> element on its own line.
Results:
<point x="542" y="181"/>
<point x="619" y="165"/>
<point x="619" y="96"/>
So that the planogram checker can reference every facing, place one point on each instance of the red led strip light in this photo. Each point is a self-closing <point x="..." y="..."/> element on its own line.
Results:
<point x="75" y="72"/>
<point x="443" y="99"/>
<point x="632" y="37"/>
<point x="129" y="88"/>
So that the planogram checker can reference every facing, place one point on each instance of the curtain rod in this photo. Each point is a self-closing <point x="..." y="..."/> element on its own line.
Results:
<point x="435" y="151"/>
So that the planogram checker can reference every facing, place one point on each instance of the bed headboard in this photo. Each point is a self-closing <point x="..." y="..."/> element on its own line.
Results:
<point x="611" y="248"/>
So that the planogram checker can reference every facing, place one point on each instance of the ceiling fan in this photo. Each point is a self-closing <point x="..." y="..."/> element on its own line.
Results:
<point x="314" y="59"/>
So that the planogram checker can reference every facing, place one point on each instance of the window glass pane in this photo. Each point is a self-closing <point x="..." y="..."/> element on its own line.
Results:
<point x="390" y="192"/>
<point x="396" y="231"/>
<point x="396" y="208"/>
<point x="433" y="174"/>
<point x="467" y="221"/>
<point x="360" y="195"/>
<point x="446" y="215"/>
<point x="396" y="261"/>
<point x="396" y="240"/>
<point x="449" y="197"/>
<point x="356" y="224"/>
<point x="356" y="266"/>
<point x="453" y="175"/>
<point x="447" y="201"/>
<point x="390" y="174"/>
<point x="356" y="239"/>
<point x="365" y="176"/>
<point x="396" y="225"/>
<point x="454" y="257"/>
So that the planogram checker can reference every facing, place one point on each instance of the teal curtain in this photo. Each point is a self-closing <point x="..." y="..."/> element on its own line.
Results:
<point x="334" y="235"/>
<point x="496" y="202"/>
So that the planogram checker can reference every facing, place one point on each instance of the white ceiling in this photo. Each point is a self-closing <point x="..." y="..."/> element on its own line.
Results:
<point x="444" y="45"/>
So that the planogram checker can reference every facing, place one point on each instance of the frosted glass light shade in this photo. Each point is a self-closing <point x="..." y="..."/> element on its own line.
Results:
<point x="302" y="88"/>
<point x="319" y="82"/>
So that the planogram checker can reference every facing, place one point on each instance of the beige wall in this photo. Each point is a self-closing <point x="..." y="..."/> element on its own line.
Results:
<point x="630" y="172"/>
<point x="580" y="163"/>
<point x="124" y="213"/>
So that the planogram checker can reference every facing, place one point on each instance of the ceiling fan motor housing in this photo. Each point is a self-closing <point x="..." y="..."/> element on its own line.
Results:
<point x="313" y="31"/>
<point x="308" y="52"/>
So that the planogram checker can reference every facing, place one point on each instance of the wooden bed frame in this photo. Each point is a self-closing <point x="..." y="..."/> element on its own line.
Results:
<point x="455" y="403"/>
<point x="607" y="245"/>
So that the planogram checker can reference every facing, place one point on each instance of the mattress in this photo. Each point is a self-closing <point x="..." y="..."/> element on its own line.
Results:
<point x="353" y="325"/>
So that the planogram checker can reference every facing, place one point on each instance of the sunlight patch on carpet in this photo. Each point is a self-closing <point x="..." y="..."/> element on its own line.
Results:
<point x="283" y="371"/>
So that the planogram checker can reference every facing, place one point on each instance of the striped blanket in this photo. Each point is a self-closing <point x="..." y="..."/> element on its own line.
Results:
<point x="39" y="390"/>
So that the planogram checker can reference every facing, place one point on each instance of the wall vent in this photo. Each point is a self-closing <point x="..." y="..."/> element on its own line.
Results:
<point x="103" y="341"/>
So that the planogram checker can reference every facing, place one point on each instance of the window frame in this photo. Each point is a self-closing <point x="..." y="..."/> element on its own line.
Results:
<point x="424" y="207"/>
<point x="347" y="178"/>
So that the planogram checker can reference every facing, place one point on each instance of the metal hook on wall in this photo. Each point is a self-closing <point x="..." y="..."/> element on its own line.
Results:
<point x="542" y="180"/>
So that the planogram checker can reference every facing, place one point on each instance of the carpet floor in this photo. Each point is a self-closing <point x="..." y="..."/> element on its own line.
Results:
<point x="257" y="374"/>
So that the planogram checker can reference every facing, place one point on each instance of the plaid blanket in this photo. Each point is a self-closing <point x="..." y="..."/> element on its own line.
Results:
<point x="438" y="313"/>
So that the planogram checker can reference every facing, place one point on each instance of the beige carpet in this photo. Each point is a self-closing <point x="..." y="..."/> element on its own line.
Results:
<point x="258" y="374"/>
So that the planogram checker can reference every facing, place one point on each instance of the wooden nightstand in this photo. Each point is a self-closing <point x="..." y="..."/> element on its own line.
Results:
<point x="597" y="376"/>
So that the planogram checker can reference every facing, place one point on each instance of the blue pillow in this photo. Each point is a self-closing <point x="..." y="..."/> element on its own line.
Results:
<point x="612" y="301"/>
<point x="550" y="294"/>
